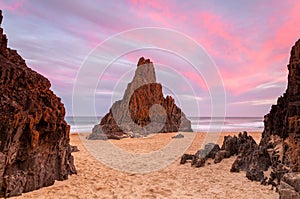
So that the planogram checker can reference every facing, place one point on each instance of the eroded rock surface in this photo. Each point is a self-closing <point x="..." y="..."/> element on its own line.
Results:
<point x="280" y="138"/>
<point x="34" y="137"/>
<point x="199" y="158"/>
<point x="280" y="144"/>
<point x="143" y="109"/>
<point x="289" y="187"/>
<point x="232" y="145"/>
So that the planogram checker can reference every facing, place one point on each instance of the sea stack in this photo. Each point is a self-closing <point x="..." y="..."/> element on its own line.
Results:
<point x="34" y="137"/>
<point x="143" y="109"/>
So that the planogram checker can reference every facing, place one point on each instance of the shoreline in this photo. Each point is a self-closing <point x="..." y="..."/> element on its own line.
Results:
<point x="95" y="180"/>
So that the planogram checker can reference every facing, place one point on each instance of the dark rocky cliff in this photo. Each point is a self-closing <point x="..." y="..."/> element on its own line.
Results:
<point x="279" y="148"/>
<point x="280" y="144"/>
<point x="34" y="137"/>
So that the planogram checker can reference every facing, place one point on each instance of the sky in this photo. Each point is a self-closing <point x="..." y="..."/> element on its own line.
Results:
<point x="247" y="42"/>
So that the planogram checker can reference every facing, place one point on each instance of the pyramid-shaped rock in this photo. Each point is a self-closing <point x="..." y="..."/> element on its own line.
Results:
<point x="143" y="109"/>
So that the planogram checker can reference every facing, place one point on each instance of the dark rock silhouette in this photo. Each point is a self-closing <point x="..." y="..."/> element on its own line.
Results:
<point x="199" y="158"/>
<point x="34" y="138"/>
<point x="280" y="144"/>
<point x="143" y="109"/>
<point x="279" y="147"/>
<point x="232" y="145"/>
<point x="179" y="135"/>
<point x="280" y="138"/>
<point x="251" y="158"/>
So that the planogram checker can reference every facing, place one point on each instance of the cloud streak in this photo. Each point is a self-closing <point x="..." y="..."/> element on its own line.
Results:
<point x="249" y="42"/>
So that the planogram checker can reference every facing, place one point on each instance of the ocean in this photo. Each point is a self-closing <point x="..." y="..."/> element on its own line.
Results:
<point x="200" y="124"/>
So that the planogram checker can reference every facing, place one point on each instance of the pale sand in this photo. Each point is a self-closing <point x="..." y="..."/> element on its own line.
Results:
<point x="94" y="180"/>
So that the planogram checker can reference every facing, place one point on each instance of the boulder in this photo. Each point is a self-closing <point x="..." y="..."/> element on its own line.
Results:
<point x="185" y="158"/>
<point x="289" y="187"/>
<point x="211" y="150"/>
<point x="198" y="162"/>
<point x="230" y="144"/>
<point x="220" y="155"/>
<point x="251" y="157"/>
<point x="199" y="158"/>
<point x="179" y="135"/>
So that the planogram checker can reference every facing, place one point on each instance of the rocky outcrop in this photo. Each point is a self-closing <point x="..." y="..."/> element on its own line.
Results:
<point x="199" y="158"/>
<point x="251" y="158"/>
<point x="240" y="145"/>
<point x="280" y="144"/>
<point x="143" y="109"/>
<point x="283" y="121"/>
<point x="281" y="135"/>
<point x="34" y="138"/>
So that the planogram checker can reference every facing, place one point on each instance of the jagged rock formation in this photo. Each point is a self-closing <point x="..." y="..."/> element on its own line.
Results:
<point x="282" y="124"/>
<point x="280" y="144"/>
<point x="201" y="156"/>
<point x="281" y="135"/>
<point x="280" y="138"/>
<point x="143" y="109"/>
<point x="232" y="145"/>
<point x="34" y="137"/>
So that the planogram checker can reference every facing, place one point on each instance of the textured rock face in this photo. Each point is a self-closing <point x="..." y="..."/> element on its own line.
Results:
<point x="283" y="121"/>
<point x="251" y="158"/>
<point x="34" y="138"/>
<point x="241" y="146"/>
<point x="282" y="125"/>
<point x="280" y="144"/>
<point x="284" y="117"/>
<point x="290" y="186"/>
<point x="143" y="109"/>
<point x="199" y="158"/>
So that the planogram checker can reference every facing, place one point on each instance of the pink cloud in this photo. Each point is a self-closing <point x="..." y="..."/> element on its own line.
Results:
<point x="243" y="63"/>
<point x="249" y="49"/>
<point x="158" y="13"/>
<point x="244" y="58"/>
<point x="196" y="78"/>
<point x="14" y="5"/>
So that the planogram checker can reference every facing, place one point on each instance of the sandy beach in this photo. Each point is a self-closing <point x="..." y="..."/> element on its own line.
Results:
<point x="95" y="180"/>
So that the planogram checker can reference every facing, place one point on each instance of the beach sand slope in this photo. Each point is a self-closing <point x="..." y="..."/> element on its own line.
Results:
<point x="95" y="180"/>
